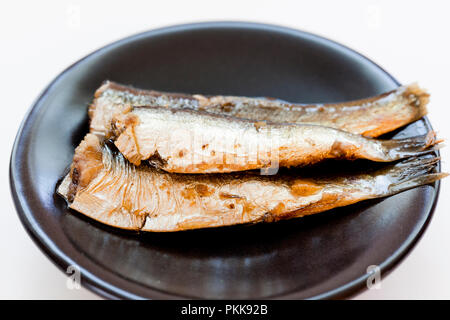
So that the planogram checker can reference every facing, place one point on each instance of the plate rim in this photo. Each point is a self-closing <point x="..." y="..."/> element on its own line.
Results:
<point x="110" y="291"/>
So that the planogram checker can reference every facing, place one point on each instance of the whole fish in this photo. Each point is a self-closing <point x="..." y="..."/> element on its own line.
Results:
<point x="190" y="141"/>
<point x="370" y="117"/>
<point x="104" y="186"/>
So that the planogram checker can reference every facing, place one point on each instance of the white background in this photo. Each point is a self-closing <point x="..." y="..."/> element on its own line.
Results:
<point x="39" y="39"/>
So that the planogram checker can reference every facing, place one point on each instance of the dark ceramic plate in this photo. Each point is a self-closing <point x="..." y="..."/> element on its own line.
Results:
<point x="322" y="256"/>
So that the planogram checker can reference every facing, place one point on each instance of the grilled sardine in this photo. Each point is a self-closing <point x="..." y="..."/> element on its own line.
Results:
<point x="190" y="141"/>
<point x="370" y="117"/>
<point x="104" y="186"/>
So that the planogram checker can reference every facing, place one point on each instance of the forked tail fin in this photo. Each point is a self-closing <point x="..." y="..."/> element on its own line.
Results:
<point x="412" y="172"/>
<point x="396" y="149"/>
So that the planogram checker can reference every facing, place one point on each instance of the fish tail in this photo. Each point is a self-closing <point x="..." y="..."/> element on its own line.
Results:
<point x="417" y="181"/>
<point x="396" y="149"/>
<point x="412" y="172"/>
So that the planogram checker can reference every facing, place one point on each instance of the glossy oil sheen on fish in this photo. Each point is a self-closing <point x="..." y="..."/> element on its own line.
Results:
<point x="370" y="117"/>
<point x="191" y="141"/>
<point x="104" y="186"/>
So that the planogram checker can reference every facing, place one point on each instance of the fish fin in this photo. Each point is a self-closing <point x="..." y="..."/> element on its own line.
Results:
<point x="412" y="172"/>
<point x="396" y="149"/>
<point x="417" y="181"/>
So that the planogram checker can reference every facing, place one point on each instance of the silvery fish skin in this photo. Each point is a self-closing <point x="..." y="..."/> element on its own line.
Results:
<point x="370" y="117"/>
<point x="190" y="141"/>
<point x="104" y="186"/>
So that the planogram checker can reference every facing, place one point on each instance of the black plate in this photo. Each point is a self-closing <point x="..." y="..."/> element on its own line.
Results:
<point x="322" y="256"/>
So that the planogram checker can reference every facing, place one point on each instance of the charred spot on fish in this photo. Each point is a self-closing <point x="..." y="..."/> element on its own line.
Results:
<point x="181" y="153"/>
<point x="71" y="193"/>
<point x="268" y="217"/>
<point x="114" y="133"/>
<point x="75" y="176"/>
<point x="342" y="150"/>
<point x="227" y="106"/>
<point x="203" y="190"/>
<point x="205" y="146"/>
<point x="156" y="160"/>
<point x="231" y="206"/>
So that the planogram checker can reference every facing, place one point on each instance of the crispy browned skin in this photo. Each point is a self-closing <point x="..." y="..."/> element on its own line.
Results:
<point x="190" y="141"/>
<point x="119" y="194"/>
<point x="370" y="117"/>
